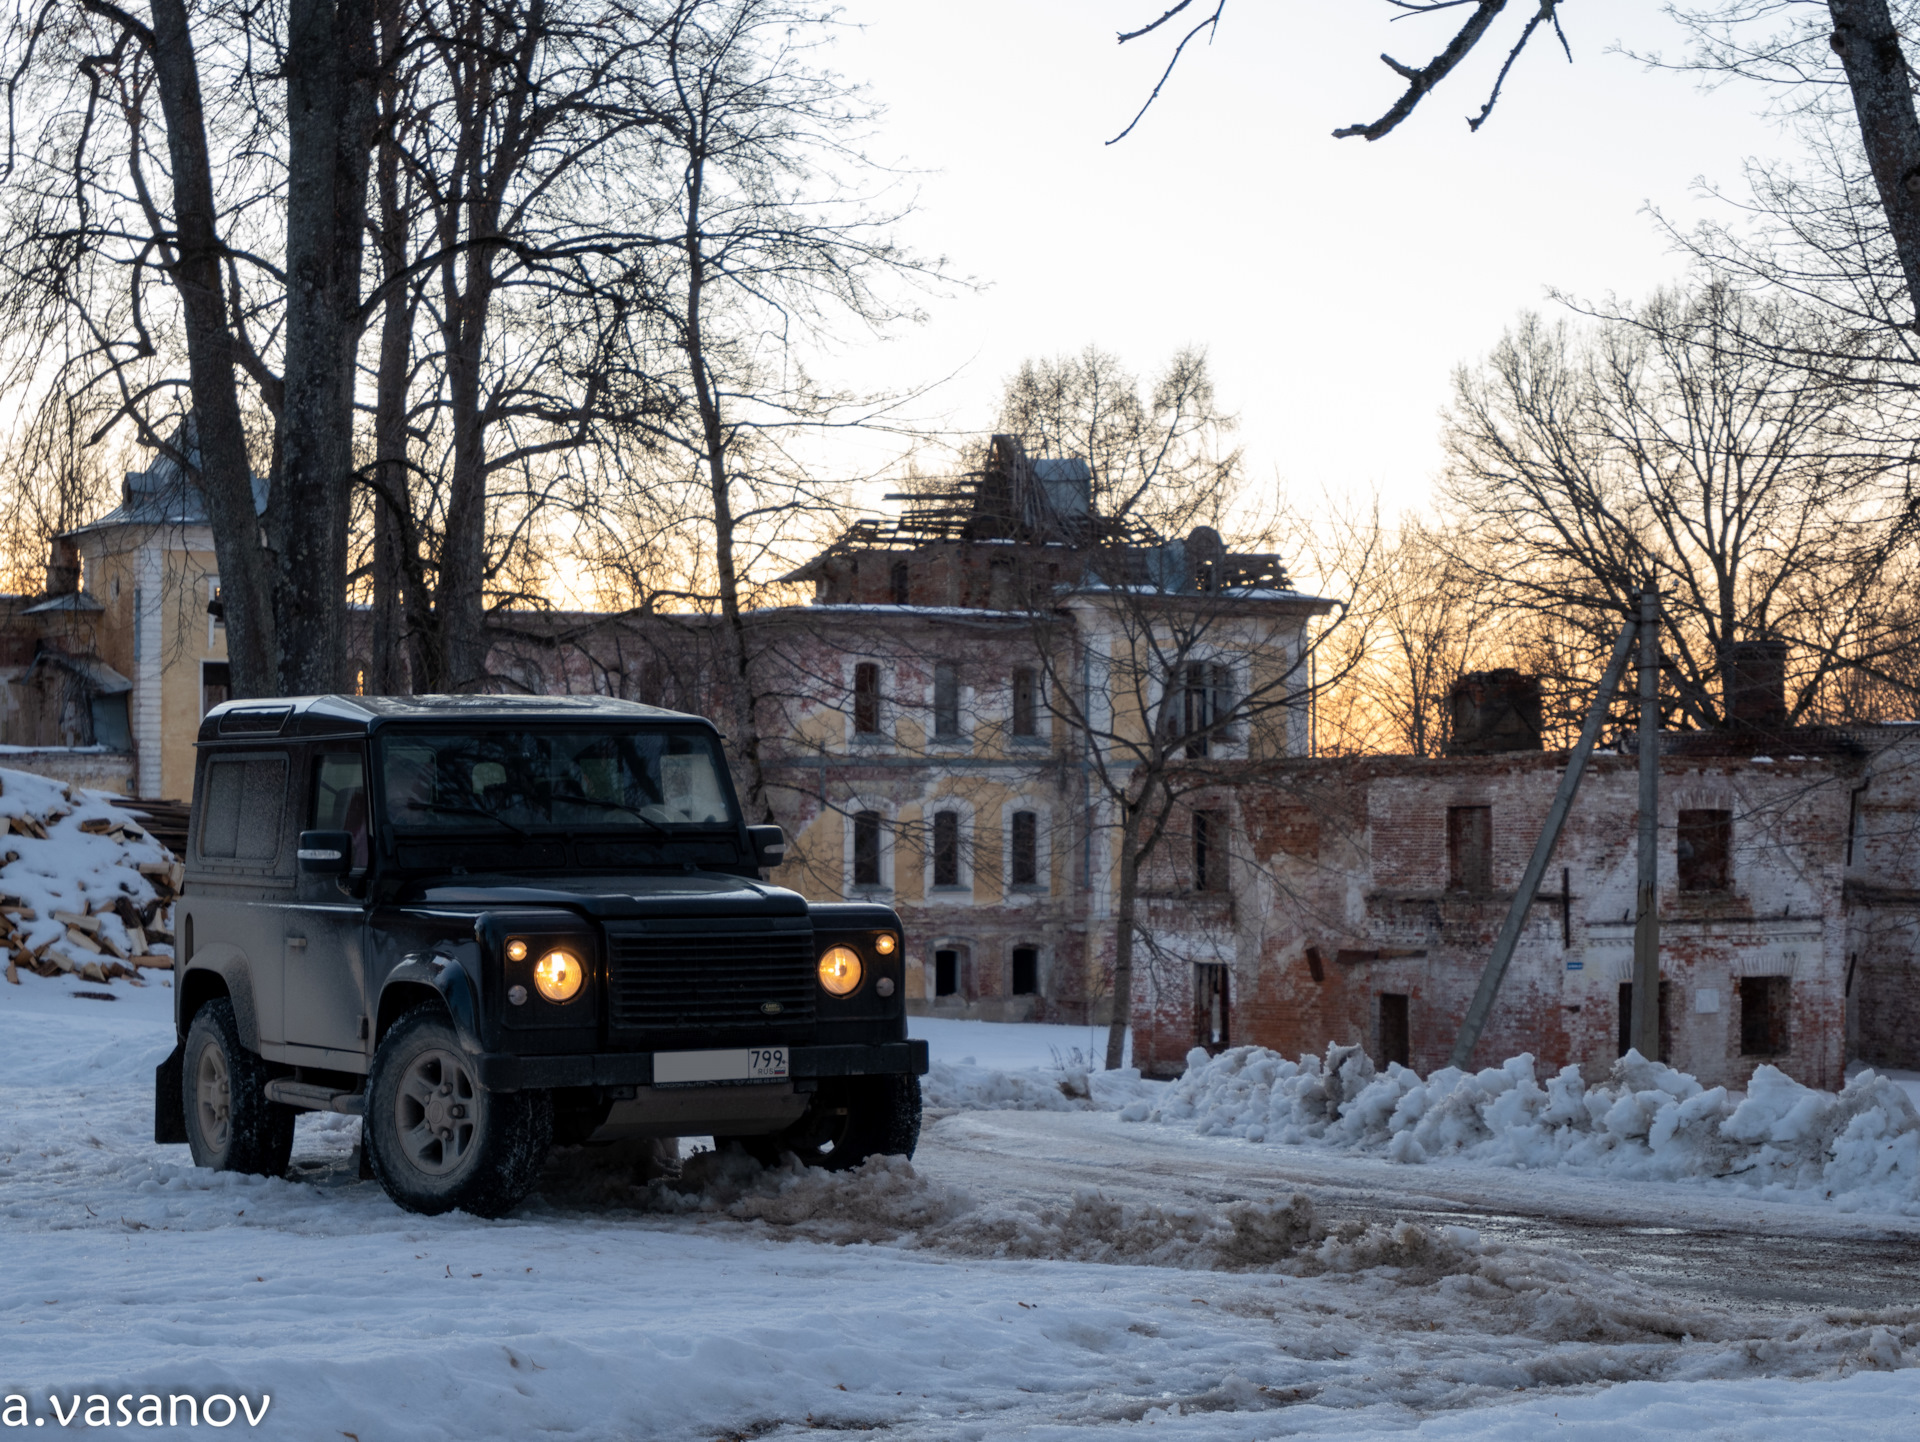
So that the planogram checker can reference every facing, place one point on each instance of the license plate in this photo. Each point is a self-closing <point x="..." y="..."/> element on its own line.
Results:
<point x="754" y="1063"/>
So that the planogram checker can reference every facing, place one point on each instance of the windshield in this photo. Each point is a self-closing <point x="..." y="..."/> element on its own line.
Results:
<point x="650" y="782"/>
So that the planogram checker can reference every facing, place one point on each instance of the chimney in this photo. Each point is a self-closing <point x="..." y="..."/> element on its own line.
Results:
<point x="63" y="568"/>
<point x="1494" y="711"/>
<point x="1755" y="685"/>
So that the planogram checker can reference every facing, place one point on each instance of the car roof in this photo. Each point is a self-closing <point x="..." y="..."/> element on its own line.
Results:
<point x="289" y="716"/>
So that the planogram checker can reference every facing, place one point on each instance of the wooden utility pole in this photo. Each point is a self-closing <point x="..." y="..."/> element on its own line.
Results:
<point x="1645" y="1022"/>
<point x="1496" y="968"/>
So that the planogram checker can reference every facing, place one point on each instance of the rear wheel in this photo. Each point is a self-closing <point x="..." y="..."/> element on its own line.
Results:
<point x="231" y="1126"/>
<point x="437" y="1139"/>
<point x="851" y="1119"/>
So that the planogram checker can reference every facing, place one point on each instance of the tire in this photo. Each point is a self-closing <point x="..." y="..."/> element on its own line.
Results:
<point x="851" y="1119"/>
<point x="437" y="1139"/>
<point x="231" y="1126"/>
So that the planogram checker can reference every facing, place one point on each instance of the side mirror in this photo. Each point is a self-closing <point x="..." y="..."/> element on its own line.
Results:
<point x="326" y="853"/>
<point x="769" y="846"/>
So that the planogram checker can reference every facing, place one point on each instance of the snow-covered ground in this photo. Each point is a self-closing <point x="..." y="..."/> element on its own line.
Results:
<point x="924" y="1301"/>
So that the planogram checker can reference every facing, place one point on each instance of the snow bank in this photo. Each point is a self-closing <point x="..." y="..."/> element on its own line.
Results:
<point x="1073" y="1086"/>
<point x="83" y="889"/>
<point x="1860" y="1147"/>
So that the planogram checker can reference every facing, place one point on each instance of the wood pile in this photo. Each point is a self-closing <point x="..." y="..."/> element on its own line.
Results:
<point x="87" y="948"/>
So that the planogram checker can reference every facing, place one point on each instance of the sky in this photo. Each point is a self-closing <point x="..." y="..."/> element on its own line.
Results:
<point x="1334" y="283"/>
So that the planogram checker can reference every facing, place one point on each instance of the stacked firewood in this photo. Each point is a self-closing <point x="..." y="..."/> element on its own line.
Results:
<point x="89" y="948"/>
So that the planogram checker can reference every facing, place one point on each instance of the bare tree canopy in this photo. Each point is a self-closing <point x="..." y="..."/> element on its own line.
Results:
<point x="1683" y="440"/>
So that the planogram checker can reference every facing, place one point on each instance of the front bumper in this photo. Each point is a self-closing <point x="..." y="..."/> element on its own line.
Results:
<point x="505" y="1072"/>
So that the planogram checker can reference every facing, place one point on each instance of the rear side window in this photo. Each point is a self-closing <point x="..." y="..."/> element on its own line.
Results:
<point x="241" y="808"/>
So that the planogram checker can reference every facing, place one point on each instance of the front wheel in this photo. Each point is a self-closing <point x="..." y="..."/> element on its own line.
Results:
<point x="850" y="1119"/>
<point x="231" y="1126"/>
<point x="436" y="1138"/>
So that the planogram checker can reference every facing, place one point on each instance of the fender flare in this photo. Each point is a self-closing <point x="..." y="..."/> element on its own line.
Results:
<point x="230" y="964"/>
<point x="446" y="971"/>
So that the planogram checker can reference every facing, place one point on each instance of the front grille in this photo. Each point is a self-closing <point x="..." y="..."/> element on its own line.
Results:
<point x="691" y="989"/>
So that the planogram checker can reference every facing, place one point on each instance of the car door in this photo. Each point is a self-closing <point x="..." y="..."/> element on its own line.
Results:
<point x="324" y="965"/>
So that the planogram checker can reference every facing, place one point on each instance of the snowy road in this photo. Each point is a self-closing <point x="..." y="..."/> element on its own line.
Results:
<point x="1667" y="1235"/>
<point x="978" y="1297"/>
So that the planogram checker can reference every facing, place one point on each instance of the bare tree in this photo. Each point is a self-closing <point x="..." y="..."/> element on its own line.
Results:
<point x="1158" y="454"/>
<point x="766" y="242"/>
<point x="1682" y="440"/>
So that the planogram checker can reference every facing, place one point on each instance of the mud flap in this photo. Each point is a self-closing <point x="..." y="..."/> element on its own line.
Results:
<point x="169" y="1112"/>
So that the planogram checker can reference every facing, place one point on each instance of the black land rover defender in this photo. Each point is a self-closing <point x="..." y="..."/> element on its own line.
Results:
<point x="487" y="924"/>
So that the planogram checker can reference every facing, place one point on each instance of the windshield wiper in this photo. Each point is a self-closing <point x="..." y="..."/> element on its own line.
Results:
<point x="480" y="811"/>
<point x="636" y="814"/>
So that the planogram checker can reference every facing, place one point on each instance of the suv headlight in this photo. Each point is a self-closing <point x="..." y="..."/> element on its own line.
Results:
<point x="559" y="974"/>
<point x="840" y="970"/>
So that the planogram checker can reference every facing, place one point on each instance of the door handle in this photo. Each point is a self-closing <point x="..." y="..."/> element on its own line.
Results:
<point x="297" y="943"/>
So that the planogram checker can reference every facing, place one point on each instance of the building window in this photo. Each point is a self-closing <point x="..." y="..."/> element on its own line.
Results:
<point x="1705" y="850"/>
<point x="1211" y="1010"/>
<point x="946" y="848"/>
<point x="1209" y="851"/>
<point x="900" y="581"/>
<point x="1765" y="1003"/>
<point x="946" y="701"/>
<point x="216" y="685"/>
<point x="216" y="613"/>
<point x="866" y="848"/>
<point x="1026" y="970"/>
<point x="1469" y="848"/>
<point x="1026" y="709"/>
<point x="1663" y="1038"/>
<point x="1207" y="698"/>
<point x="866" y="699"/>
<point x="1025" y="839"/>
<point x="946" y="972"/>
<point x="1396" y="1031"/>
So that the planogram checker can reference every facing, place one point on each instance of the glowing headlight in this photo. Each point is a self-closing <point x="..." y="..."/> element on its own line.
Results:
<point x="516" y="950"/>
<point x="558" y="974"/>
<point x="885" y="942"/>
<point x="840" y="970"/>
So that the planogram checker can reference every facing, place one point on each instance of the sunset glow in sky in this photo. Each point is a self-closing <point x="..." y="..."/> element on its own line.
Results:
<point x="1335" y="283"/>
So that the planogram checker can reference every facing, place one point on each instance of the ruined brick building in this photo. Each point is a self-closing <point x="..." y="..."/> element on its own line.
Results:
<point x="1368" y="893"/>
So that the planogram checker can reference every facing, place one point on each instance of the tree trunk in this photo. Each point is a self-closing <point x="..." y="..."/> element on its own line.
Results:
<point x="331" y="68"/>
<point x="744" y="724"/>
<point x="226" y="472"/>
<point x="393" y="536"/>
<point x="1869" y="47"/>
<point x="1125" y="907"/>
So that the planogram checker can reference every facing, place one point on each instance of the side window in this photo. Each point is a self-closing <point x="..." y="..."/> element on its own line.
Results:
<point x="340" y="799"/>
<point x="241" y="807"/>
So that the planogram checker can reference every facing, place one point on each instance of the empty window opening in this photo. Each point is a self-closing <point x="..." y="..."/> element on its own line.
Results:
<point x="1211" y="1009"/>
<point x="899" y="581"/>
<point x="1663" y="1027"/>
<point x="1705" y="850"/>
<point x="946" y="848"/>
<point x="1765" y="1005"/>
<point x="946" y="701"/>
<point x="1209" y="851"/>
<point x="1026" y="848"/>
<point x="1470" y="848"/>
<point x="866" y="699"/>
<point x="1026" y="970"/>
<point x="946" y="973"/>
<point x="1396" y="1036"/>
<point x="1206" y="706"/>
<point x="1026" y="710"/>
<point x="866" y="848"/>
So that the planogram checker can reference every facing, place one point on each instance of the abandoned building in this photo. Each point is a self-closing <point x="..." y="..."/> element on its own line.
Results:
<point x="1367" y="894"/>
